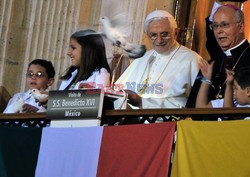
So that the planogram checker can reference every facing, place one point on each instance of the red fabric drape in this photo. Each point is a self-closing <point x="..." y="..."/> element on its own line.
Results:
<point x="136" y="150"/>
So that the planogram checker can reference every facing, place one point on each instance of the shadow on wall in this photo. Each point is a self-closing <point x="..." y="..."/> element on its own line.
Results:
<point x="4" y="98"/>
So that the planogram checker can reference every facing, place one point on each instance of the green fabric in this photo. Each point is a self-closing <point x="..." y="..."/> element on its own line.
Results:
<point x="19" y="149"/>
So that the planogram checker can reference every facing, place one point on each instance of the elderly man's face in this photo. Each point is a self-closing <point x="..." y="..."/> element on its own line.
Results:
<point x="161" y="36"/>
<point x="229" y="31"/>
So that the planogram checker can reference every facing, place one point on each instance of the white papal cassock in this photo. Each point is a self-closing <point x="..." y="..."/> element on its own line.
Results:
<point x="169" y="77"/>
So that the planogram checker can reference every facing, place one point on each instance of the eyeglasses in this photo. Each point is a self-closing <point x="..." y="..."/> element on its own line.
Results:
<point x="223" y="25"/>
<point x="163" y="35"/>
<point x="38" y="74"/>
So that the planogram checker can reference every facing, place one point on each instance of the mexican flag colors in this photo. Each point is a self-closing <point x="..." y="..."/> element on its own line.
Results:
<point x="201" y="149"/>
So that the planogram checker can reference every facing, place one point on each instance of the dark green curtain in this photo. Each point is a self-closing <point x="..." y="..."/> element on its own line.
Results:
<point x="19" y="149"/>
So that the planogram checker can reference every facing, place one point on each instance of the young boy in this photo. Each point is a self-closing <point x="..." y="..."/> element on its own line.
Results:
<point x="237" y="93"/>
<point x="40" y="75"/>
<point x="238" y="88"/>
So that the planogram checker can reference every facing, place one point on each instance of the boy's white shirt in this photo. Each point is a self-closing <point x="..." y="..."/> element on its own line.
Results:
<point x="219" y="104"/>
<point x="28" y="99"/>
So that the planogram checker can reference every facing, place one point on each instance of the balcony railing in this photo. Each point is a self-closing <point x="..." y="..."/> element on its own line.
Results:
<point x="136" y="116"/>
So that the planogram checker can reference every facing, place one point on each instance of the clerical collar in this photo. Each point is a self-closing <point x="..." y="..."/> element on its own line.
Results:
<point x="228" y="51"/>
<point x="176" y="45"/>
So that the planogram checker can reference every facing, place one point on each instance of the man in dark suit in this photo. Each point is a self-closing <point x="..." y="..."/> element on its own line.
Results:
<point x="226" y="45"/>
